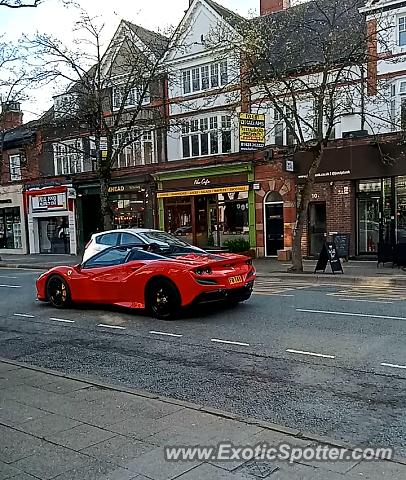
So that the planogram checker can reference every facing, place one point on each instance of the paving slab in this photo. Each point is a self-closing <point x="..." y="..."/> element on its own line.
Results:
<point x="16" y="445"/>
<point x="80" y="437"/>
<point x="379" y="470"/>
<point x="207" y="471"/>
<point x="118" y="450"/>
<point x="7" y="471"/>
<point x="64" y="385"/>
<point x="97" y="470"/>
<point x="14" y="413"/>
<point x="47" y="425"/>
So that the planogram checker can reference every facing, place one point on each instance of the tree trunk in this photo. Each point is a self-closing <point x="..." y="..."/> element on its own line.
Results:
<point x="301" y="216"/>
<point x="104" y="203"/>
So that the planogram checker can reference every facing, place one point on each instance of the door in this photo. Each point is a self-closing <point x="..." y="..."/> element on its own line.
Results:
<point x="368" y="223"/>
<point x="274" y="227"/>
<point x="317" y="227"/>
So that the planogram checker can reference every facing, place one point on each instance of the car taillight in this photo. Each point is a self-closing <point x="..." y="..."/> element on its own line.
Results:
<point x="203" y="270"/>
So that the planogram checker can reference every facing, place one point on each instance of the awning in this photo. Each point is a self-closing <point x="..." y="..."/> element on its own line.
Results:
<point x="204" y="191"/>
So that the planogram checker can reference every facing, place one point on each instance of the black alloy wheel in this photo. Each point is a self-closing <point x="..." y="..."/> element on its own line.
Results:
<point x="58" y="292"/>
<point x="163" y="300"/>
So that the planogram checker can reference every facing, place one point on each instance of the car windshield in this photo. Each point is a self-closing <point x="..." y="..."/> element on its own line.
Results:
<point x="168" y="244"/>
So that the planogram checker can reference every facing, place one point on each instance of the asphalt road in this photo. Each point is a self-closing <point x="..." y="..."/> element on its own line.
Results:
<point x="321" y="358"/>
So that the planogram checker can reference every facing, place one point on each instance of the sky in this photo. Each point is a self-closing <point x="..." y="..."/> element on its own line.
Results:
<point x="53" y="18"/>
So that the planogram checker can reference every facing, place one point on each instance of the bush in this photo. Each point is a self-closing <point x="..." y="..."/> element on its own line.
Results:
<point x="238" y="245"/>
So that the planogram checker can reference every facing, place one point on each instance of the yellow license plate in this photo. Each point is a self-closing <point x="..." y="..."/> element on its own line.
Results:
<point x="234" y="280"/>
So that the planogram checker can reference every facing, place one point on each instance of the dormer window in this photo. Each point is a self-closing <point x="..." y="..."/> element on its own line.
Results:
<point x="402" y="31"/>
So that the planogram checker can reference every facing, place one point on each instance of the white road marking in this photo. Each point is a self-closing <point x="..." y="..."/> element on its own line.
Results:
<point x="312" y="354"/>
<point x="10" y="286"/>
<point x="153" y="332"/>
<point x="26" y="315"/>
<point x="62" y="320"/>
<point x="362" y="300"/>
<point x="8" y="276"/>
<point x="393" y="365"/>
<point x="116" y="327"/>
<point x="229" y="342"/>
<point x="350" y="314"/>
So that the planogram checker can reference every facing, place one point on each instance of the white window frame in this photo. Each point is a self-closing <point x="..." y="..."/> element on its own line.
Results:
<point x="135" y="153"/>
<point x="205" y="77"/>
<point x="208" y="130"/>
<point x="278" y="121"/>
<point x="401" y="28"/>
<point x="68" y="157"/>
<point x="132" y="100"/>
<point x="15" y="167"/>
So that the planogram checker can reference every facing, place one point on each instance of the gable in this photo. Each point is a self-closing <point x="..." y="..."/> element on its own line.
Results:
<point x="200" y="19"/>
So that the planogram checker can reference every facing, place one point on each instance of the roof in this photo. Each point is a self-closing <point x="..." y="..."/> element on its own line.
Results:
<point x="229" y="16"/>
<point x="304" y="35"/>
<point x="156" y="42"/>
<point x="19" y="136"/>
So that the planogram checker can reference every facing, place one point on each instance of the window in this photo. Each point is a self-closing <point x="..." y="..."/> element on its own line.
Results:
<point x="10" y="228"/>
<point x="403" y="113"/>
<point x="68" y="157"/>
<point x="130" y="96"/>
<point x="205" y="77"/>
<point x="402" y="31"/>
<point x="135" y="147"/>
<point x="108" y="258"/>
<point x="110" y="239"/>
<point x="282" y="134"/>
<point x="66" y="105"/>
<point x="15" y="167"/>
<point x="130" y="239"/>
<point x="203" y="136"/>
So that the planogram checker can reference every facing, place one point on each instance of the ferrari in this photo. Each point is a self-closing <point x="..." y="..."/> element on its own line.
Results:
<point x="161" y="281"/>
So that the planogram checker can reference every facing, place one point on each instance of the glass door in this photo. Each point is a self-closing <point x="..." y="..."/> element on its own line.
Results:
<point x="317" y="227"/>
<point x="368" y="223"/>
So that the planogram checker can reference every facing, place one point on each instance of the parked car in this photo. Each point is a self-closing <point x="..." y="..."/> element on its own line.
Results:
<point x="133" y="236"/>
<point x="162" y="283"/>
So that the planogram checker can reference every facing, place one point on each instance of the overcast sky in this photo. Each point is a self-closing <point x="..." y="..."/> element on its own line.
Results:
<point x="52" y="18"/>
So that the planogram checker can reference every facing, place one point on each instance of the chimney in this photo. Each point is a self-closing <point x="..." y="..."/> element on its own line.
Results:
<point x="272" y="6"/>
<point x="11" y="115"/>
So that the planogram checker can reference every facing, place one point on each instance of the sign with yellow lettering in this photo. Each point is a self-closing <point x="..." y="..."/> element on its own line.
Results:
<point x="252" y="131"/>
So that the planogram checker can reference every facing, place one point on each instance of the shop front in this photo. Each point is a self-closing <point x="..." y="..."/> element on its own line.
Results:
<point x="131" y="203"/>
<point x="359" y="193"/>
<point x="12" y="220"/>
<point x="51" y="219"/>
<point x="208" y="206"/>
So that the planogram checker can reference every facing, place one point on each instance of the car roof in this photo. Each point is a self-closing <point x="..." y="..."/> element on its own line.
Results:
<point x="127" y="230"/>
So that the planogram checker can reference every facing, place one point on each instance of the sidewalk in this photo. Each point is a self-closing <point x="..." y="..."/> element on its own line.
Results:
<point x="66" y="428"/>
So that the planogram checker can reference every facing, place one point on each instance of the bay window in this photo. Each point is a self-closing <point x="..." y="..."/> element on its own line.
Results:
<point x="203" y="136"/>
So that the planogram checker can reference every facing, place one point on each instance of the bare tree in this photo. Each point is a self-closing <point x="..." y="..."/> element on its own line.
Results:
<point x="116" y="91"/>
<point x="20" y="3"/>
<point x="306" y="66"/>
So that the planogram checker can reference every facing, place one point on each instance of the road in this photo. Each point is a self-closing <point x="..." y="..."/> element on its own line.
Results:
<point x="326" y="359"/>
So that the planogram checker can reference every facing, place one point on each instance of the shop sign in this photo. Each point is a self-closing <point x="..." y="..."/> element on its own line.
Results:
<point x="201" y="181"/>
<point x="206" y="191"/>
<point x="116" y="189"/>
<point x="252" y="131"/>
<point x="290" y="166"/>
<point x="56" y="201"/>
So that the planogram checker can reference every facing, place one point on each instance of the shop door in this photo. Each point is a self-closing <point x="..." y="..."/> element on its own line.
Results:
<point x="317" y="227"/>
<point x="369" y="224"/>
<point x="274" y="227"/>
<point x="53" y="235"/>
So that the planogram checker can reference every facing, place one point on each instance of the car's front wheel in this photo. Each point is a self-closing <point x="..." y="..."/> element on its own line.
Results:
<point x="58" y="293"/>
<point x="163" y="299"/>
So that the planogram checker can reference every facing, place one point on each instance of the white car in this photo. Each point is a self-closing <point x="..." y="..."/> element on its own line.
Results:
<point x="137" y="237"/>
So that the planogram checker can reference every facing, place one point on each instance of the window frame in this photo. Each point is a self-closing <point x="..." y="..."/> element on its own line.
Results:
<point x="15" y="167"/>
<point x="135" y="154"/>
<point x="216" y="75"/>
<point x="69" y="155"/>
<point x="401" y="18"/>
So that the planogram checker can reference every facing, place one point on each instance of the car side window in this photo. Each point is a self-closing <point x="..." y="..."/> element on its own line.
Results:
<point x="107" y="258"/>
<point x="130" y="239"/>
<point x="109" y="239"/>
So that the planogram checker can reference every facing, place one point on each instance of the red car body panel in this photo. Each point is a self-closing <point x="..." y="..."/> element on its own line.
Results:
<point x="125" y="284"/>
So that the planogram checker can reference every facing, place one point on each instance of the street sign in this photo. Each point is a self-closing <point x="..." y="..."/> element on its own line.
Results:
<point x="103" y="144"/>
<point x="252" y="131"/>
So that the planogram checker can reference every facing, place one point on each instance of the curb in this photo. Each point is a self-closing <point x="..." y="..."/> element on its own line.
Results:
<point x="193" y="406"/>
<point x="29" y="266"/>
<point x="388" y="280"/>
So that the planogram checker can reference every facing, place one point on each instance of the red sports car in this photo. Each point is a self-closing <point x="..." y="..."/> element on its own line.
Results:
<point x="160" y="280"/>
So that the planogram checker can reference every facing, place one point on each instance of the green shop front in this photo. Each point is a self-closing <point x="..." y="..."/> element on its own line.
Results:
<point x="208" y="206"/>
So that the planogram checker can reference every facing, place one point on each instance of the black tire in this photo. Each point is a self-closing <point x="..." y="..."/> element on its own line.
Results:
<point x="58" y="294"/>
<point x="163" y="299"/>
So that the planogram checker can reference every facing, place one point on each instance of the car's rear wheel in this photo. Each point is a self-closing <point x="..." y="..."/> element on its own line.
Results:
<point x="163" y="299"/>
<point x="58" y="293"/>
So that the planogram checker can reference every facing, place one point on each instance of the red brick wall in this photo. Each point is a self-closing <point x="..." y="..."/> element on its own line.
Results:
<point x="271" y="177"/>
<point x="340" y="210"/>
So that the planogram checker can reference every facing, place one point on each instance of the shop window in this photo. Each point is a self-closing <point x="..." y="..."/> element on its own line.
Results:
<point x="133" y="148"/>
<point x="178" y="217"/>
<point x="68" y="157"/>
<point x="10" y="228"/>
<point x="15" y="167"/>
<point x="203" y="136"/>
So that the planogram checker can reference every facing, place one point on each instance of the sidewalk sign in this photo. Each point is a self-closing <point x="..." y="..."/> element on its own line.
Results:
<point x="342" y="243"/>
<point x="330" y="255"/>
